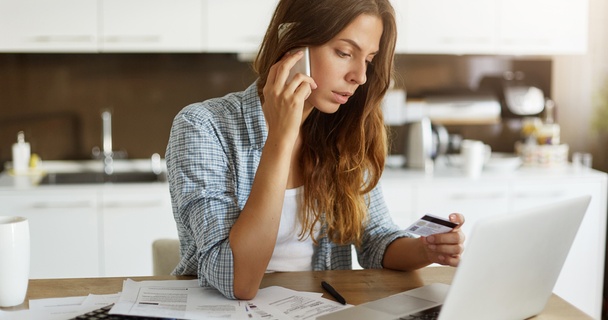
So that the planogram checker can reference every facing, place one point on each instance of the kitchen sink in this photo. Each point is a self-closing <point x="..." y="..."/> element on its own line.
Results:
<point x="100" y="177"/>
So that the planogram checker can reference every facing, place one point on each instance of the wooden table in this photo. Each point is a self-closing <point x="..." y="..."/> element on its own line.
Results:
<point x="357" y="286"/>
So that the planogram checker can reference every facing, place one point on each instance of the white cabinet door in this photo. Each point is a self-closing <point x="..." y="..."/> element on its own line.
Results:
<point x="448" y="26"/>
<point x="133" y="217"/>
<point x="237" y="25"/>
<point x="533" y="27"/>
<point x="578" y="282"/>
<point x="151" y="25"/>
<point x="48" y="26"/>
<point x="63" y="230"/>
<point x="399" y="199"/>
<point x="400" y="7"/>
<point x="473" y="199"/>
<point x="543" y="26"/>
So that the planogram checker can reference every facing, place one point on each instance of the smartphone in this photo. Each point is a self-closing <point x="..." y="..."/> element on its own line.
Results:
<point x="302" y="66"/>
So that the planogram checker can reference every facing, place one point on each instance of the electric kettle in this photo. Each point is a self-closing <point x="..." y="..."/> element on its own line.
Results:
<point x="426" y="141"/>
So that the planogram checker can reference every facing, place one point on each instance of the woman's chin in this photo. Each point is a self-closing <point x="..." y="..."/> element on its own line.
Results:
<point x="328" y="108"/>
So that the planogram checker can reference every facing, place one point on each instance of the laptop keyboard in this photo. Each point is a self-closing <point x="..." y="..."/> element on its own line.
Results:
<point x="428" y="314"/>
<point x="102" y="313"/>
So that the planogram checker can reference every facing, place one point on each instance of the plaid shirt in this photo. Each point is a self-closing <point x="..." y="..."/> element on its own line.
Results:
<point x="213" y="153"/>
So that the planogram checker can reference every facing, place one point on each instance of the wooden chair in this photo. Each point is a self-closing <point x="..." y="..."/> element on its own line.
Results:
<point x="165" y="256"/>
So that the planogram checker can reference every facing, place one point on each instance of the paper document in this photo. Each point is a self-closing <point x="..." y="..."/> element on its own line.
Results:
<point x="185" y="299"/>
<point x="60" y="308"/>
<point x="285" y="303"/>
<point x="182" y="299"/>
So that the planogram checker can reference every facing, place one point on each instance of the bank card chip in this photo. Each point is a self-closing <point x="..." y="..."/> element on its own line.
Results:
<point x="429" y="224"/>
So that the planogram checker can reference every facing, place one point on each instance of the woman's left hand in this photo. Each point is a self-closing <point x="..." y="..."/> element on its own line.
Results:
<point x="446" y="248"/>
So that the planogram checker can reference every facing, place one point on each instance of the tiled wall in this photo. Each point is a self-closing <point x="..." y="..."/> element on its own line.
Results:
<point x="57" y="99"/>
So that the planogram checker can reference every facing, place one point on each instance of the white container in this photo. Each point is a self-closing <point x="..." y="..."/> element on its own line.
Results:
<point x="21" y="155"/>
<point x="14" y="260"/>
<point x="393" y="107"/>
<point x="474" y="155"/>
<point x="542" y="155"/>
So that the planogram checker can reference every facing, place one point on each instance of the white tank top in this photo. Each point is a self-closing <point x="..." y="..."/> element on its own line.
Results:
<point x="290" y="253"/>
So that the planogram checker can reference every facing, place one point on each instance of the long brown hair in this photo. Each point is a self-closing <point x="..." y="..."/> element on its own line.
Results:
<point x="343" y="153"/>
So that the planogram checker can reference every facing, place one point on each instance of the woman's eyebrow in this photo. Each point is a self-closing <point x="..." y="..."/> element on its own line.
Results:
<point x="356" y="45"/>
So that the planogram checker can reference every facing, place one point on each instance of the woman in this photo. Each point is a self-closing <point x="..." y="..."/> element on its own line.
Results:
<point x="284" y="175"/>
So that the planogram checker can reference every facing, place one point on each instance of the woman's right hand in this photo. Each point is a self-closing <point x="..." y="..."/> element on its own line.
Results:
<point x="284" y="102"/>
<point x="253" y="235"/>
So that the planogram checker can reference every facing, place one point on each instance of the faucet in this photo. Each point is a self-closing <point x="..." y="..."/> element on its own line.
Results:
<point x="108" y="154"/>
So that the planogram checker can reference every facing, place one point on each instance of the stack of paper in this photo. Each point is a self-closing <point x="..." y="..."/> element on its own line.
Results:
<point x="60" y="308"/>
<point x="184" y="299"/>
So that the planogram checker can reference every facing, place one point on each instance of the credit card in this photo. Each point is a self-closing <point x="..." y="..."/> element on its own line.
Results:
<point x="429" y="224"/>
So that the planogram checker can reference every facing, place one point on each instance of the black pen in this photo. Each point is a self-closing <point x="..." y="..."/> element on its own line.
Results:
<point x="333" y="292"/>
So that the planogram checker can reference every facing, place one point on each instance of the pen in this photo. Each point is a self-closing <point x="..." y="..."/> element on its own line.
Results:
<point x="333" y="292"/>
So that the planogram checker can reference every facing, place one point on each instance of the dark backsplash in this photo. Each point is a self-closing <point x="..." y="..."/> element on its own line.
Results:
<point x="57" y="99"/>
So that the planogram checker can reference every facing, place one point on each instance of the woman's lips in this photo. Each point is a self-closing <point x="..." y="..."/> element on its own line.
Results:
<point x="341" y="97"/>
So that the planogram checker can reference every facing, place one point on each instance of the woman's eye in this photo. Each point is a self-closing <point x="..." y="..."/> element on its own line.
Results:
<point x="342" y="54"/>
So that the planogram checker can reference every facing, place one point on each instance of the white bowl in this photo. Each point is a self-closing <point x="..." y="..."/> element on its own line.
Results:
<point x="500" y="161"/>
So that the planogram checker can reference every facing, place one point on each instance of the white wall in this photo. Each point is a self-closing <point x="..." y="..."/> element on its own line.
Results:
<point x="575" y="80"/>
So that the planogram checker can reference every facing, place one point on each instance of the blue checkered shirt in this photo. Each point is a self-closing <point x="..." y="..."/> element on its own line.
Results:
<point x="212" y="156"/>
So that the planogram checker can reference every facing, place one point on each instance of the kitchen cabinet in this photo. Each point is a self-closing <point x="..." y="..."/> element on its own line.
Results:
<point x="132" y="218"/>
<point x="400" y="11"/>
<point x="446" y="191"/>
<point x="477" y="200"/>
<point x="396" y="195"/>
<point x="444" y="26"/>
<point x="520" y="27"/>
<point x="151" y="25"/>
<point x="237" y="25"/>
<point x="543" y="26"/>
<point x="586" y="256"/>
<point x="64" y="234"/>
<point x="101" y="26"/>
<point x="93" y="230"/>
<point x="48" y="26"/>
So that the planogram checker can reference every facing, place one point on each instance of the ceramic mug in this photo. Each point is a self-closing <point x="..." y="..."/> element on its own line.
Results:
<point x="14" y="260"/>
<point x="474" y="155"/>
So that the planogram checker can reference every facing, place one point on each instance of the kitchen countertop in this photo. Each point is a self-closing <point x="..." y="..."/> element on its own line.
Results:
<point x="444" y="171"/>
<point x="9" y="181"/>
<point x="440" y="171"/>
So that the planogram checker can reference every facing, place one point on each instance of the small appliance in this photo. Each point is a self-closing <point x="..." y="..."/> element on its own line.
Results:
<point x="426" y="141"/>
<point x="519" y="97"/>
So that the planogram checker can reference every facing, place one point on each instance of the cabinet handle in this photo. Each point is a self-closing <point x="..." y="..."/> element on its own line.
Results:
<point x="132" y="204"/>
<point x="539" y="194"/>
<point x="57" y="38"/>
<point x="455" y="40"/>
<point x="133" y="39"/>
<point x="477" y="196"/>
<point x="62" y="205"/>
<point x="534" y="41"/>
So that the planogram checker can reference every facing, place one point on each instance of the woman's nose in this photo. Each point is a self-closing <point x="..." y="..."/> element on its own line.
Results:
<point x="358" y="73"/>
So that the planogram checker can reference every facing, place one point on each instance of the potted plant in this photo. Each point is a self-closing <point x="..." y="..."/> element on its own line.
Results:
<point x="599" y="124"/>
<point x="599" y="121"/>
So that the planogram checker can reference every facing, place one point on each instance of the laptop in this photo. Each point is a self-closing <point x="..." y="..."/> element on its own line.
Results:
<point x="508" y="270"/>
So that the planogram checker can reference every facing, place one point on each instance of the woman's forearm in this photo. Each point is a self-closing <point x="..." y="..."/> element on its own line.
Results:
<point x="405" y="254"/>
<point x="253" y="235"/>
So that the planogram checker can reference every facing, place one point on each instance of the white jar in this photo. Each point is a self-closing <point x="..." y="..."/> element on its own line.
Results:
<point x="21" y="155"/>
